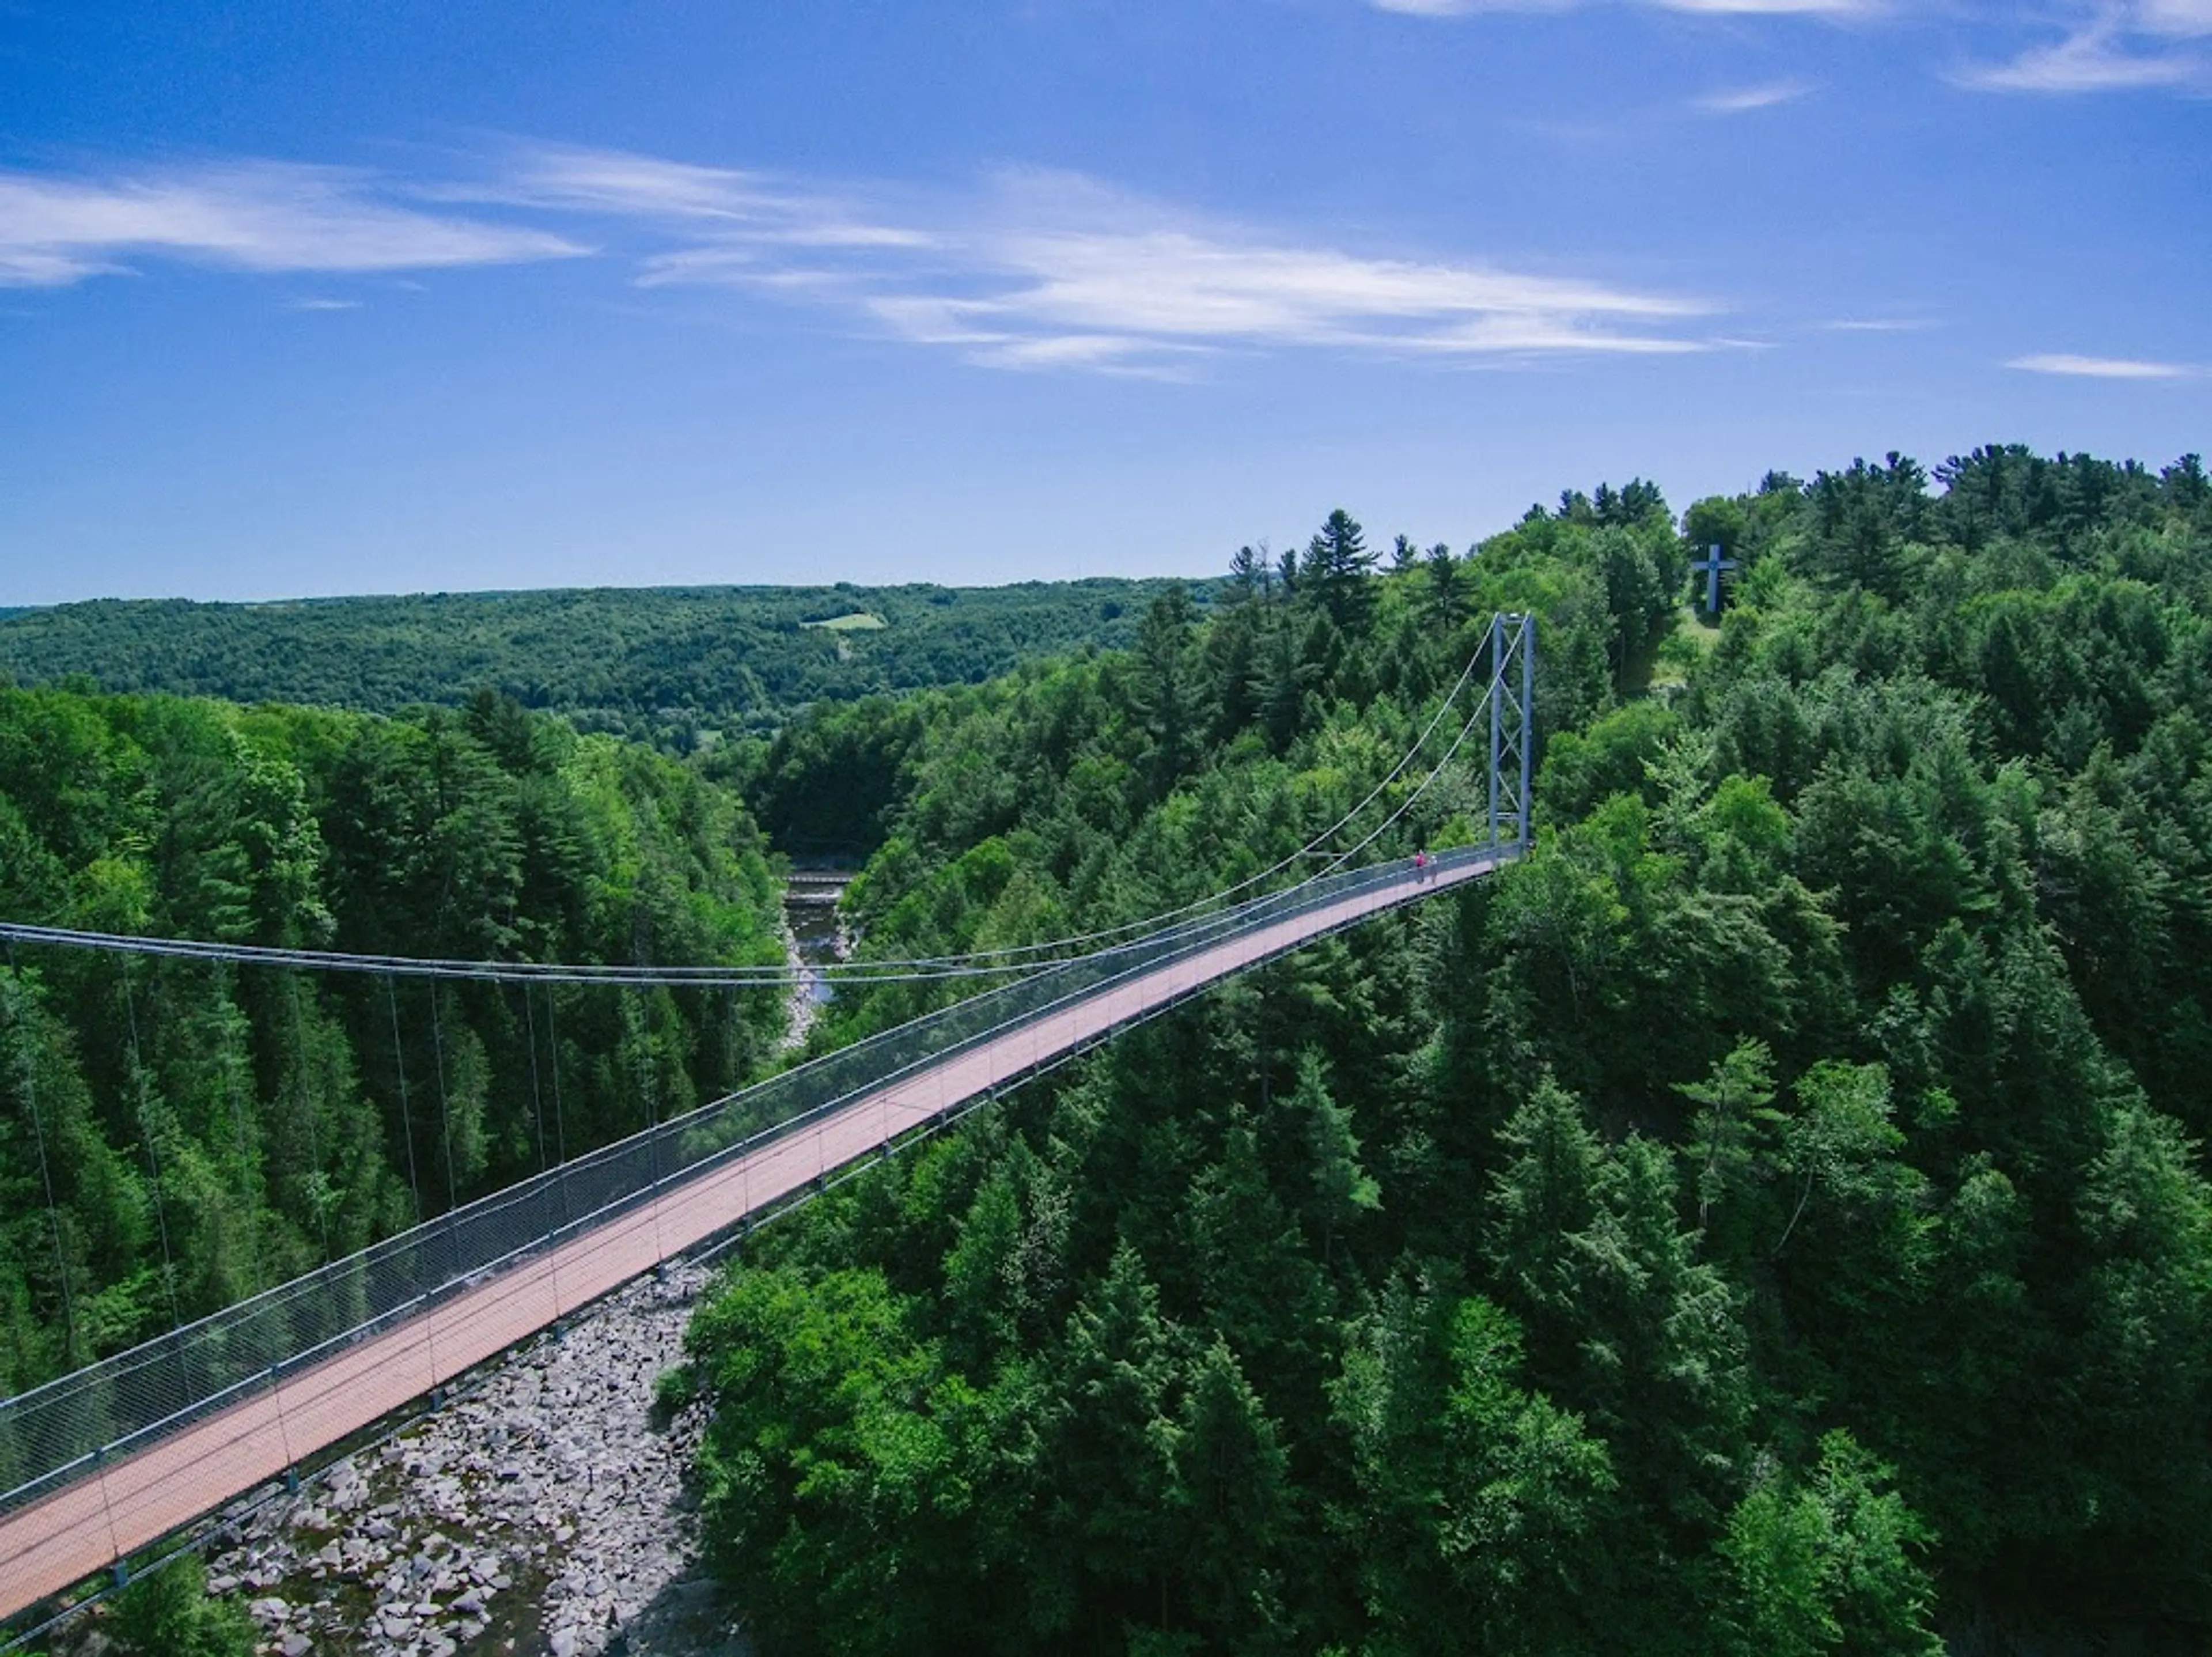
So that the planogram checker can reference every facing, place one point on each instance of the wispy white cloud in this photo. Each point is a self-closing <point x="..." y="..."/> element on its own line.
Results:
<point x="2108" y="46"/>
<point x="255" y="216"/>
<point x="2103" y="368"/>
<point x="323" y="305"/>
<point x="613" y="181"/>
<point x="2185" y="19"/>
<point x="764" y="207"/>
<point x="1877" y="324"/>
<point x="1778" y="8"/>
<point x="1052" y="270"/>
<point x="2088" y="62"/>
<point x="1725" y="7"/>
<point x="2124" y="46"/>
<point x="1033" y="270"/>
<point x="1744" y="100"/>
<point x="1464" y="8"/>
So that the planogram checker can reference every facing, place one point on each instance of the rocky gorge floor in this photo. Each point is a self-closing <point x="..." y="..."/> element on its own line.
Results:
<point x="545" y="1512"/>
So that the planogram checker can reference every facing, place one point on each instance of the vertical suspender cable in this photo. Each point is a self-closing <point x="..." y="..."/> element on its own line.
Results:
<point x="21" y="1008"/>
<point x="553" y="1060"/>
<point x="153" y="1156"/>
<point x="537" y="1104"/>
<point x="536" y="1096"/>
<point x="453" y="1262"/>
<point x="406" y="1118"/>
<point x="249" y="1188"/>
<point x="560" y="1132"/>
<point x="413" y="1181"/>
<point x="445" y="1104"/>
<point x="649" y="1084"/>
<point x="318" y="1195"/>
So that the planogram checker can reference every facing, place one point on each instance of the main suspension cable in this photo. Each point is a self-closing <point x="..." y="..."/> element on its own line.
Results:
<point x="1012" y="960"/>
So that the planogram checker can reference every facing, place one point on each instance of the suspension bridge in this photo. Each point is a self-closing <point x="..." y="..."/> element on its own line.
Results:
<point x="103" y="1463"/>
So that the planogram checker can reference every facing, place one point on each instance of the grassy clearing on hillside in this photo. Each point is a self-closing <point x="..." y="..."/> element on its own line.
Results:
<point x="1691" y="641"/>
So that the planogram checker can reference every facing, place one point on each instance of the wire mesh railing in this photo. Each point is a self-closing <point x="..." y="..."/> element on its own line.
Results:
<point x="57" y="1433"/>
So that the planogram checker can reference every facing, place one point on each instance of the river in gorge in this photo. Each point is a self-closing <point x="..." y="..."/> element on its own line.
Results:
<point x="810" y="911"/>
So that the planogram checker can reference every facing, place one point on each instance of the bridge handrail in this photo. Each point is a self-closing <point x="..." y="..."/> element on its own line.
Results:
<point x="51" y="1433"/>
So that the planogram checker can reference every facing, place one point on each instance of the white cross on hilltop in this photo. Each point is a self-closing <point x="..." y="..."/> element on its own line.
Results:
<point x="1712" y="563"/>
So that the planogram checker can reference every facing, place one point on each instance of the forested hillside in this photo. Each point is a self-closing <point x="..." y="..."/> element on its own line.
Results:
<point x="1769" y="1219"/>
<point x="675" y="665"/>
<point x="174" y="1136"/>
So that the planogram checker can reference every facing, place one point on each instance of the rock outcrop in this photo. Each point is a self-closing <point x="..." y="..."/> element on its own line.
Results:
<point x="546" y="1511"/>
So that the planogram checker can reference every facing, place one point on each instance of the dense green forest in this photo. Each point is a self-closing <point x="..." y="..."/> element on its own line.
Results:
<point x="678" y="666"/>
<point x="204" y="1131"/>
<point x="1769" y="1219"/>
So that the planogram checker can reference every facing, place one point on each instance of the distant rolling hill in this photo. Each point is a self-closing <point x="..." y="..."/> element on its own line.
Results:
<point x="664" y="663"/>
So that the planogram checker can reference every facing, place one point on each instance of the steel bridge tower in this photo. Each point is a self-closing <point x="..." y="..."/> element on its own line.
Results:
<point x="1512" y="726"/>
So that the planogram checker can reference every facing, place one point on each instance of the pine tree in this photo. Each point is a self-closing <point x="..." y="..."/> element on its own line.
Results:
<point x="1342" y="1190"/>
<point x="1231" y="1500"/>
<point x="1447" y="600"/>
<point x="1336" y="569"/>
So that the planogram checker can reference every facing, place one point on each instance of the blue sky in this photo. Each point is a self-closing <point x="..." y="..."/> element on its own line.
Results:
<point x="322" y="298"/>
